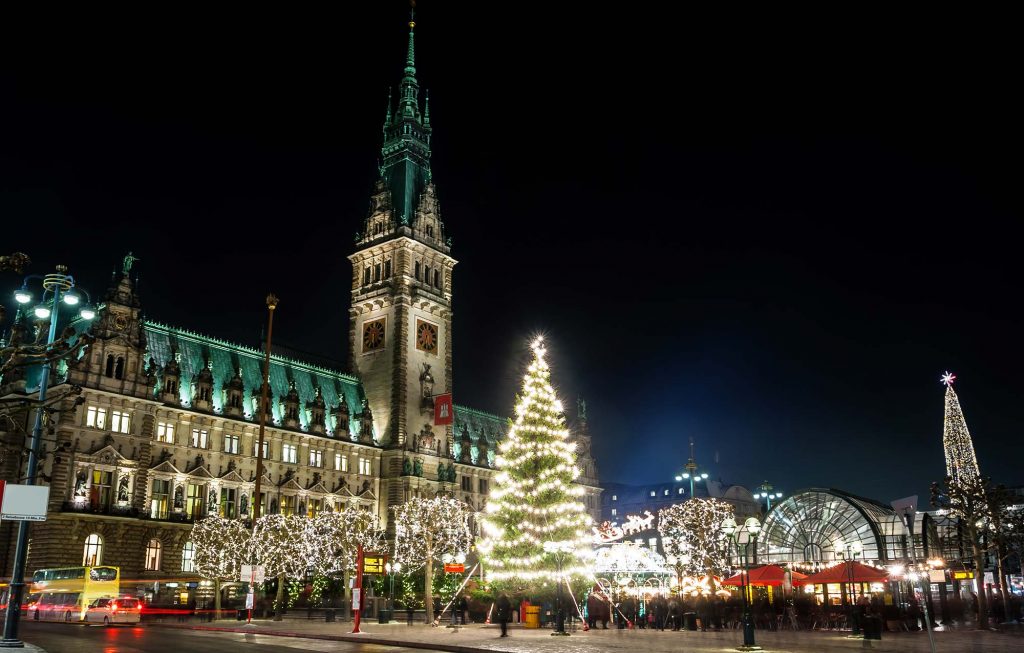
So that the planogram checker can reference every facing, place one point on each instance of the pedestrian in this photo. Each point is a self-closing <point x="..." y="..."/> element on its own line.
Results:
<point x="504" y="612"/>
<point x="673" y="613"/>
<point x="409" y="612"/>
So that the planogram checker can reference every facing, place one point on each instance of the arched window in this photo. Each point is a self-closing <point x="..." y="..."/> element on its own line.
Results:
<point x="110" y="365"/>
<point x="93" y="554"/>
<point x="153" y="551"/>
<point x="188" y="554"/>
<point x="119" y="369"/>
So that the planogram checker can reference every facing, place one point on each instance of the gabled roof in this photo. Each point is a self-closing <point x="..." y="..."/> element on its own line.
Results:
<point x="233" y="476"/>
<point x="165" y="467"/>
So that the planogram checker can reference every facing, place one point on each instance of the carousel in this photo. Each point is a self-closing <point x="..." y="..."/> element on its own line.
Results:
<point x="629" y="568"/>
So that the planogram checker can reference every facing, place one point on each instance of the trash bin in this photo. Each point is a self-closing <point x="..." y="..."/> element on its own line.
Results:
<point x="689" y="621"/>
<point x="383" y="616"/>
<point x="329" y="615"/>
<point x="532" y="617"/>
<point x="871" y="625"/>
<point x="240" y="615"/>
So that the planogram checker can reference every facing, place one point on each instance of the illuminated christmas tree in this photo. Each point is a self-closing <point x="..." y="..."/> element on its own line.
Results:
<point x="537" y="527"/>
<point x="961" y="461"/>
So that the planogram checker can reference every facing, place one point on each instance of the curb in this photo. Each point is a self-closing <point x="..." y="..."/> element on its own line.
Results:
<point x="369" y="639"/>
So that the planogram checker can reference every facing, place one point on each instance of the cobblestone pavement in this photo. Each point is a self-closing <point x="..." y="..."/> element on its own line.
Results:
<point x="485" y="638"/>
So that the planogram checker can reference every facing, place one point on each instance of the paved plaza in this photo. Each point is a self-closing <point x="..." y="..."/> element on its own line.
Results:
<point x="485" y="638"/>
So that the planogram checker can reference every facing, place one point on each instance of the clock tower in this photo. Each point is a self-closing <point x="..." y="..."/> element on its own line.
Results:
<point x="400" y="320"/>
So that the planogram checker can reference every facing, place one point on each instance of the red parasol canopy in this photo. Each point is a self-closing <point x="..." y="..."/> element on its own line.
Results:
<point x="847" y="572"/>
<point x="773" y="575"/>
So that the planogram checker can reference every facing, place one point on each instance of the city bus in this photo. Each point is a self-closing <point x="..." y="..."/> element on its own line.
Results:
<point x="64" y="593"/>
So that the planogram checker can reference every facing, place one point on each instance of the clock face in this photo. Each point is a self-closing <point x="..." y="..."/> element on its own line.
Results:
<point x="120" y="322"/>
<point x="426" y="336"/>
<point x="373" y="335"/>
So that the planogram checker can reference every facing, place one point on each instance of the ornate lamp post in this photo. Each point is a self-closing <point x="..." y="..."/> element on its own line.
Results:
<point x="752" y="527"/>
<point x="768" y="493"/>
<point x="392" y="569"/>
<point x="850" y="551"/>
<point x="57" y="287"/>
<point x="691" y="472"/>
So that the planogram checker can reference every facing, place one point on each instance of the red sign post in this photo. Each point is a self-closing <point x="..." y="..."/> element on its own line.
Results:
<point x="357" y="593"/>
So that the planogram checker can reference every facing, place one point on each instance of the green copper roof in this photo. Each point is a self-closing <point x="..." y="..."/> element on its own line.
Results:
<point x="484" y="429"/>
<point x="225" y="357"/>
<point x="405" y="154"/>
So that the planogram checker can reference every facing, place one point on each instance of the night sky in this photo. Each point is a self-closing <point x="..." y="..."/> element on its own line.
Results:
<point x="770" y="233"/>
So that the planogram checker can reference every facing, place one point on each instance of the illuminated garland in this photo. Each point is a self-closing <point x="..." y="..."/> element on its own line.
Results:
<point x="691" y="535"/>
<point x="536" y="524"/>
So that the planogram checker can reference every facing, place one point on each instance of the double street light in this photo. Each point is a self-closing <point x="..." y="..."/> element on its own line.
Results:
<point x="692" y="474"/>
<point x="736" y="540"/>
<point x="58" y="288"/>
<point x="392" y="569"/>
<point x="765" y="491"/>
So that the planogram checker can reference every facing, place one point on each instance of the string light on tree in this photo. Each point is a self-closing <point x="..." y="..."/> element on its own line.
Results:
<point x="690" y="534"/>
<point x="537" y="528"/>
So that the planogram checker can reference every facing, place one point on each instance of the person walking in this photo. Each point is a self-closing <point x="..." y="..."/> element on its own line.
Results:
<point x="504" y="613"/>
<point x="408" y="611"/>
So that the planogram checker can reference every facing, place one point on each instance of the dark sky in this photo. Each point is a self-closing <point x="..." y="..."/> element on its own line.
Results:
<point x="772" y="233"/>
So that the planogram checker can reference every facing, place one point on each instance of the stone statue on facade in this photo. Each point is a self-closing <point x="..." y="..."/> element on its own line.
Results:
<point x="179" y="498"/>
<point x="243" y="506"/>
<point x="126" y="266"/>
<point x="417" y="467"/>
<point x="80" y="481"/>
<point x="427" y="388"/>
<point x="122" y="490"/>
<point x="406" y="467"/>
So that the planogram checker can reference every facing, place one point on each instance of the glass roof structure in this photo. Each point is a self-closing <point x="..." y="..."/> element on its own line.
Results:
<point x="817" y="525"/>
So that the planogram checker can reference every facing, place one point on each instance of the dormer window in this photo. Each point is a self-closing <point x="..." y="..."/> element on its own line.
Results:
<point x="378" y="228"/>
<point x="430" y="230"/>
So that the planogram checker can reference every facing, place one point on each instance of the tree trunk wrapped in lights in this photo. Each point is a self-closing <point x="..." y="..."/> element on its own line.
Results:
<point x="691" y="535"/>
<point x="426" y="529"/>
<point x="221" y="548"/>
<point x="281" y="545"/>
<point x="537" y="528"/>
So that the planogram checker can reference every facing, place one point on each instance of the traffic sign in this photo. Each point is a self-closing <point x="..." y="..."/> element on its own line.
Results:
<point x="453" y="568"/>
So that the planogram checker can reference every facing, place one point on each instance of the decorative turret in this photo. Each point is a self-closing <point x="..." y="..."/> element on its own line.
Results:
<point x="317" y="413"/>
<point x="234" y="395"/>
<point x="291" y="407"/>
<point x="340" y="414"/>
<point x="427" y="226"/>
<point x="169" y="386"/>
<point x="202" y="397"/>
<point x="366" y="424"/>
<point x="465" y="446"/>
<point x="257" y="396"/>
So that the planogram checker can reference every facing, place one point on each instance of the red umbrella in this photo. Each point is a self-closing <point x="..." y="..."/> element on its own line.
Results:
<point x="773" y="575"/>
<point x="848" y="572"/>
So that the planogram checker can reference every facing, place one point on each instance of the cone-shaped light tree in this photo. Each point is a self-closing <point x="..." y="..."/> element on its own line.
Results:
<point x="536" y="527"/>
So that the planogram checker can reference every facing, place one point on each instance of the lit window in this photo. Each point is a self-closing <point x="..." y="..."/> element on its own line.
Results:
<point x="230" y="444"/>
<point x="653" y="542"/>
<point x="316" y="458"/>
<point x="288" y="505"/>
<point x="614" y="512"/>
<point x="289" y="453"/>
<point x="153" y="555"/>
<point x="666" y="492"/>
<point x="364" y="466"/>
<point x="653" y="493"/>
<point x="680" y="490"/>
<point x="96" y="417"/>
<point x="615" y="497"/>
<point x="266" y="449"/>
<point x="93" y="554"/>
<point x="188" y="554"/>
<point x="200" y="438"/>
<point x="639" y="541"/>
<point x="165" y="432"/>
<point x="161" y="499"/>
<point x="340" y="462"/>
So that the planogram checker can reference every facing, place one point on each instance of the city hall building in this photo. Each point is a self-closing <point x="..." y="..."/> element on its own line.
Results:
<point x="167" y="428"/>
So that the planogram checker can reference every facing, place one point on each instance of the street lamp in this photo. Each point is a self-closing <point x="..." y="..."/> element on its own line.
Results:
<point x="392" y="569"/>
<point x="559" y="549"/>
<point x="55" y="287"/>
<point x="765" y="491"/>
<point x="751" y="527"/>
<point x="691" y="474"/>
<point x="850" y="551"/>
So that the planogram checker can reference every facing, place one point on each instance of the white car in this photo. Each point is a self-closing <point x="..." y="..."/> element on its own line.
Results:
<point x="114" y="611"/>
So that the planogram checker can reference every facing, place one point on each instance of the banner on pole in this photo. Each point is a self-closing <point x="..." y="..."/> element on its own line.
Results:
<point x="443" y="413"/>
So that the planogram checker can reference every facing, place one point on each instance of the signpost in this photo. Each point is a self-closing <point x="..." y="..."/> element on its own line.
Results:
<point x="254" y="574"/>
<point x="357" y="593"/>
<point x="23" y="502"/>
<point x="454" y="568"/>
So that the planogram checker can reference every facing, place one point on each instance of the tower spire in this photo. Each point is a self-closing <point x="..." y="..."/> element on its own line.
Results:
<point x="961" y="461"/>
